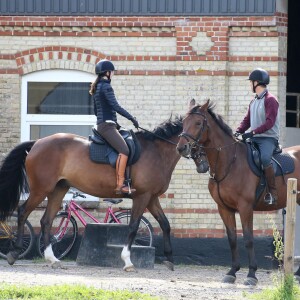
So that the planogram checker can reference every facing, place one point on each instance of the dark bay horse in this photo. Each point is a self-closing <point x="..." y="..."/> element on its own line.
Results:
<point x="55" y="163"/>
<point x="232" y="184"/>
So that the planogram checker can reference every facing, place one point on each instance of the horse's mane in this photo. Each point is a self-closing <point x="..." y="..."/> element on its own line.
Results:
<point x="217" y="118"/>
<point x="166" y="130"/>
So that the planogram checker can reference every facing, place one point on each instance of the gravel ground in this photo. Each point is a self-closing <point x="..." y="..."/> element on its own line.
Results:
<point x="186" y="282"/>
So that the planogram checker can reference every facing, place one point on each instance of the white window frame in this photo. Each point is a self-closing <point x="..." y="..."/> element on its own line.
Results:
<point x="48" y="119"/>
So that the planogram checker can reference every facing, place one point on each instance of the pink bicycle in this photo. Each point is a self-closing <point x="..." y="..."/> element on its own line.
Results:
<point x="64" y="229"/>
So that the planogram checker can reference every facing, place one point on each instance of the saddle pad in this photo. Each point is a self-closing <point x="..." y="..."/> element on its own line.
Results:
<point x="102" y="153"/>
<point x="286" y="162"/>
<point x="282" y="163"/>
<point x="98" y="153"/>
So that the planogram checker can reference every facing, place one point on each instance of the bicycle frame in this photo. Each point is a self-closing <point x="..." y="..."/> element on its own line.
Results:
<point x="7" y="230"/>
<point x="73" y="207"/>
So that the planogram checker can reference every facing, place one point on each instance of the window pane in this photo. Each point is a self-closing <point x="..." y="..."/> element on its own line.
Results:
<point x="66" y="98"/>
<point x="291" y="102"/>
<point x="291" y="119"/>
<point x="40" y="131"/>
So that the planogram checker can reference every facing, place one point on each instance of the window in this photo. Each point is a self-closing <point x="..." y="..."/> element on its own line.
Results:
<point x="293" y="110"/>
<point x="65" y="98"/>
<point x="56" y="101"/>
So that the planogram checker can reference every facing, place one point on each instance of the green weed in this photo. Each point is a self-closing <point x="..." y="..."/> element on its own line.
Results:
<point x="285" y="286"/>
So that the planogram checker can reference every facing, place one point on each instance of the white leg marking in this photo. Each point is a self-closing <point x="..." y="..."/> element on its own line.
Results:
<point x="49" y="255"/>
<point x="125" y="255"/>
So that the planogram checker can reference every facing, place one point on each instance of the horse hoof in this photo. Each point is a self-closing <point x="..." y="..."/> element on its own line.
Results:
<point x="169" y="265"/>
<point x="130" y="269"/>
<point x="229" y="279"/>
<point x="251" y="281"/>
<point x="297" y="277"/>
<point x="57" y="265"/>
<point x="10" y="258"/>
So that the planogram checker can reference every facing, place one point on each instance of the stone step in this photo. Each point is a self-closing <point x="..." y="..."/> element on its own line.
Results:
<point x="102" y="245"/>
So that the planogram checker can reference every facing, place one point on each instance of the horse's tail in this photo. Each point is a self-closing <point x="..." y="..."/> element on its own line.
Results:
<point x="13" y="179"/>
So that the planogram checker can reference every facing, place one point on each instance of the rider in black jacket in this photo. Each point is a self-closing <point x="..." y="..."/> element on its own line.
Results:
<point x="106" y="108"/>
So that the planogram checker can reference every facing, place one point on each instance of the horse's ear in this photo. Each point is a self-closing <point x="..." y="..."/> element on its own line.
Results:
<point x="192" y="103"/>
<point x="205" y="106"/>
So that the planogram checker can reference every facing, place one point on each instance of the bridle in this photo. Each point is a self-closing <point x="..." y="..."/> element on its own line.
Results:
<point x="196" y="139"/>
<point x="201" y="149"/>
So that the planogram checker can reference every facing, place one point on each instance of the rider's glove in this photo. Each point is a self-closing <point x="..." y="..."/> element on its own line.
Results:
<point x="247" y="135"/>
<point x="237" y="134"/>
<point x="135" y="123"/>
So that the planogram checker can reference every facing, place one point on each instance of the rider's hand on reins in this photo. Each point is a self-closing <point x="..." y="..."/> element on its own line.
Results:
<point x="237" y="134"/>
<point x="135" y="123"/>
<point x="247" y="135"/>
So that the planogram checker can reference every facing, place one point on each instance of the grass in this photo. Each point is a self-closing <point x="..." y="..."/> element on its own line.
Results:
<point x="286" y="289"/>
<point x="67" y="292"/>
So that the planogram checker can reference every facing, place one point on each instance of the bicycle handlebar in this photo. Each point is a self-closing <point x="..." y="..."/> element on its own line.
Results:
<point x="77" y="194"/>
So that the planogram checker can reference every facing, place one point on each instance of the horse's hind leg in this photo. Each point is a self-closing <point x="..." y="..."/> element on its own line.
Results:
<point x="23" y="212"/>
<point x="156" y="210"/>
<point x="54" y="203"/>
<point x="228" y="218"/>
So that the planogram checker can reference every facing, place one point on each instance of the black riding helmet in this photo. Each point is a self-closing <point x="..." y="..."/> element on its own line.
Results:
<point x="103" y="66"/>
<point x="261" y="76"/>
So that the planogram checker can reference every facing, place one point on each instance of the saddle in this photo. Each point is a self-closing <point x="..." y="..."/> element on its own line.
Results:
<point x="101" y="152"/>
<point x="282" y="164"/>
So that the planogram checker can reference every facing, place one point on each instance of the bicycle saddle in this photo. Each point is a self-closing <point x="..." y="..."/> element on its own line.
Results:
<point x="113" y="201"/>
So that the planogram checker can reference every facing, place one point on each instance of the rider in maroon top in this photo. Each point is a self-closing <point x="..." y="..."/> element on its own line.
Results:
<point x="263" y="120"/>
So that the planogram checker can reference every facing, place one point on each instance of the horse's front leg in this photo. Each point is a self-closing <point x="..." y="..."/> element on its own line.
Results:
<point x="228" y="218"/>
<point x="247" y="224"/>
<point x="156" y="210"/>
<point x="125" y="255"/>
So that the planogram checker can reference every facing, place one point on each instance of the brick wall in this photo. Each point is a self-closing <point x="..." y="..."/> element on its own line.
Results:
<point x="162" y="62"/>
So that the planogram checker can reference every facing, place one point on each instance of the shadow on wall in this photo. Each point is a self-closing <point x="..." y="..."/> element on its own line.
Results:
<point x="216" y="252"/>
<point x="203" y="251"/>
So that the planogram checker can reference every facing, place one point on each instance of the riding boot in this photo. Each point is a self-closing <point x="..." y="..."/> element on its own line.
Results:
<point x="120" y="173"/>
<point x="272" y="196"/>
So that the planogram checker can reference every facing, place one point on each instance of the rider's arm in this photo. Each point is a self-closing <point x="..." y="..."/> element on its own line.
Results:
<point x="111" y="99"/>
<point x="245" y="124"/>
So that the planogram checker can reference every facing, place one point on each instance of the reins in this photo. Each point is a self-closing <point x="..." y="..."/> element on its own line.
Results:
<point x="158" y="136"/>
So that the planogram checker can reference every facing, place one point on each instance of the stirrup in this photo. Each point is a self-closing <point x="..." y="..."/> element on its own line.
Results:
<point x="269" y="199"/>
<point x="126" y="189"/>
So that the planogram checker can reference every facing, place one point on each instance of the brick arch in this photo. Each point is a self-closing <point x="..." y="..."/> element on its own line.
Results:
<point x="57" y="57"/>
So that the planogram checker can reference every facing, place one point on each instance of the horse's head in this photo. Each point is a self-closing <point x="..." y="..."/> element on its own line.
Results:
<point x="194" y="129"/>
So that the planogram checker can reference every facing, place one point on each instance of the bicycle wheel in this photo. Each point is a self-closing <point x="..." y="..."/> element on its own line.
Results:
<point x="8" y="235"/>
<point x="62" y="236"/>
<point x="144" y="235"/>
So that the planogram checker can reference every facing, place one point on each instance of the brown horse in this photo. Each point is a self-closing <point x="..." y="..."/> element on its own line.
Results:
<point x="232" y="184"/>
<point x="55" y="163"/>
